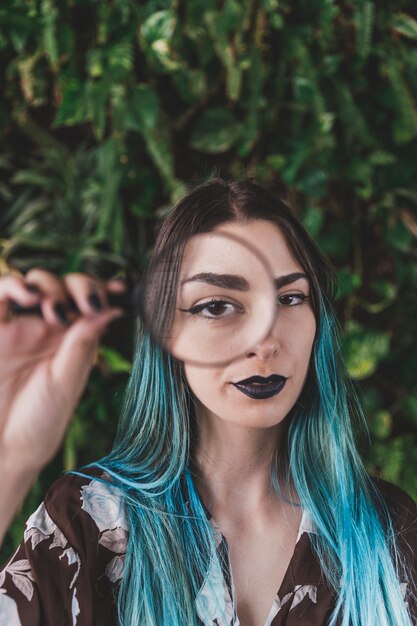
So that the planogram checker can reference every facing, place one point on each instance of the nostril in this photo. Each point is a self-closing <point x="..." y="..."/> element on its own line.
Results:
<point x="263" y="351"/>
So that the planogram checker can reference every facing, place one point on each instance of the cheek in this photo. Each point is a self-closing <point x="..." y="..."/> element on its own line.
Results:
<point x="201" y="381"/>
<point x="302" y="341"/>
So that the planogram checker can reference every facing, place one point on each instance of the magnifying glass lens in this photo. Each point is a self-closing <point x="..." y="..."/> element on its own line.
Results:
<point x="210" y="302"/>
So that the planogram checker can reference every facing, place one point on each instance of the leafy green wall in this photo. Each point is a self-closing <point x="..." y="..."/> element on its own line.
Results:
<point x="110" y="108"/>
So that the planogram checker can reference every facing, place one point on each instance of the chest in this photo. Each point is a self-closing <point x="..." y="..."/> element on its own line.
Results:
<point x="259" y="560"/>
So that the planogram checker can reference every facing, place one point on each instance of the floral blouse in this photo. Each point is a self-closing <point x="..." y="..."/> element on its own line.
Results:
<point x="67" y="570"/>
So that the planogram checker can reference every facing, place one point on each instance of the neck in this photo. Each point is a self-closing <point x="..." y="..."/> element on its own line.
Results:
<point x="232" y="465"/>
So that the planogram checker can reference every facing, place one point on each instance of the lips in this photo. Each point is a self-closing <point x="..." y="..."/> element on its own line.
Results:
<point x="260" y="388"/>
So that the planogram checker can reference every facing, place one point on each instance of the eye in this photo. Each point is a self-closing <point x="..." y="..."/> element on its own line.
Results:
<point x="214" y="309"/>
<point x="292" y="299"/>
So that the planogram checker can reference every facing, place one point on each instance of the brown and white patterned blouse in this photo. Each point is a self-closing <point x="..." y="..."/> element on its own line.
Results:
<point x="67" y="570"/>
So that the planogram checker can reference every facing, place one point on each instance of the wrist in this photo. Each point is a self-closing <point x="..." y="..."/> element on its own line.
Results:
<point x="15" y="483"/>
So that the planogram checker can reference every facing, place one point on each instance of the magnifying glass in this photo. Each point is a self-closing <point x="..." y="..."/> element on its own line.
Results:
<point x="209" y="303"/>
<point x="206" y="302"/>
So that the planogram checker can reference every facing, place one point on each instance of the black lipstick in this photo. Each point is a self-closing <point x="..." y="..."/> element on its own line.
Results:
<point x="260" y="388"/>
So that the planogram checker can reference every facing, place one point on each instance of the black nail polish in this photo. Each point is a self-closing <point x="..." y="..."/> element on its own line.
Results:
<point x="59" y="309"/>
<point x="94" y="302"/>
<point x="33" y="288"/>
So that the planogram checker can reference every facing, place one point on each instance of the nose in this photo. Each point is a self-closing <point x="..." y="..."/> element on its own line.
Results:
<point x="264" y="349"/>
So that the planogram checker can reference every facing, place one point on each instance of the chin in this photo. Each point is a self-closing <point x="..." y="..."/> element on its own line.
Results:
<point x="244" y="411"/>
<point x="256" y="418"/>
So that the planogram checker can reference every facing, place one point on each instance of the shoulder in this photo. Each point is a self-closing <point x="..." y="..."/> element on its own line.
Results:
<point x="401" y="506"/>
<point x="87" y="509"/>
<point x="403" y="514"/>
<point x="71" y="557"/>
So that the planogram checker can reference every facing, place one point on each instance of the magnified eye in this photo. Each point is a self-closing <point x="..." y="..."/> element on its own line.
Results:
<point x="292" y="299"/>
<point x="214" y="309"/>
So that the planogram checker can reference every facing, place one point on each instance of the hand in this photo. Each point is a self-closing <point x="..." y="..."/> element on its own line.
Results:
<point x="45" y="361"/>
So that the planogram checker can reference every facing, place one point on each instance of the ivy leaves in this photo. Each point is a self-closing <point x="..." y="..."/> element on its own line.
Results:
<point x="109" y="110"/>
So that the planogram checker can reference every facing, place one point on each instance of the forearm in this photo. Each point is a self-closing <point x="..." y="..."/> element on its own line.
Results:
<point x="14" y="486"/>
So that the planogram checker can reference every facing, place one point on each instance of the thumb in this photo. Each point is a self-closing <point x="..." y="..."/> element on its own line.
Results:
<point x="75" y="356"/>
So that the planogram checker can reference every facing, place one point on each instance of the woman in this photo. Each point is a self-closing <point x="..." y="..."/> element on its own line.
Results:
<point x="218" y="504"/>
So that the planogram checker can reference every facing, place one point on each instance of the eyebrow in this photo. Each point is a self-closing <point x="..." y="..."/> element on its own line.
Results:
<point x="288" y="279"/>
<point x="239" y="283"/>
<point x="228" y="281"/>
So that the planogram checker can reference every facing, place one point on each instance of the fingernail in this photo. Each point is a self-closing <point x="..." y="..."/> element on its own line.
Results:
<point x="94" y="302"/>
<point x="119" y="279"/>
<point x="59" y="309"/>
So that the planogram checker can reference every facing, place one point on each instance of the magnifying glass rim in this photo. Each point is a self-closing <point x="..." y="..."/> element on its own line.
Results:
<point x="179" y="254"/>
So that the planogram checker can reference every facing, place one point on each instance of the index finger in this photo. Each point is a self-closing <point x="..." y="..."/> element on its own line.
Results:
<point x="13" y="287"/>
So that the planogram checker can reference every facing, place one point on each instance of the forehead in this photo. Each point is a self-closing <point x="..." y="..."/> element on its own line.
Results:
<point x="233" y="245"/>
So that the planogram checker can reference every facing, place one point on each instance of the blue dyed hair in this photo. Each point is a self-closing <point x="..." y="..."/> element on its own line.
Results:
<point x="171" y="541"/>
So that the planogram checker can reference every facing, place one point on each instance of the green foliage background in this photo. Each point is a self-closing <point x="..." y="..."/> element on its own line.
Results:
<point x="109" y="108"/>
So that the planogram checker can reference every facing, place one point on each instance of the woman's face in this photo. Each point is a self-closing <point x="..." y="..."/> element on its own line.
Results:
<point x="224" y="392"/>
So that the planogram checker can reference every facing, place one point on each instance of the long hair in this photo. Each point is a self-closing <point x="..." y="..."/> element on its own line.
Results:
<point x="171" y="542"/>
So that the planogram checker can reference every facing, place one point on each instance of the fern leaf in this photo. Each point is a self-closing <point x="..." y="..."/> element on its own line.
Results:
<point x="365" y="14"/>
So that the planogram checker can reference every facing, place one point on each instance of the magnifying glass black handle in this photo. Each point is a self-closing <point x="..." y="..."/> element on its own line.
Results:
<point x="124" y="301"/>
